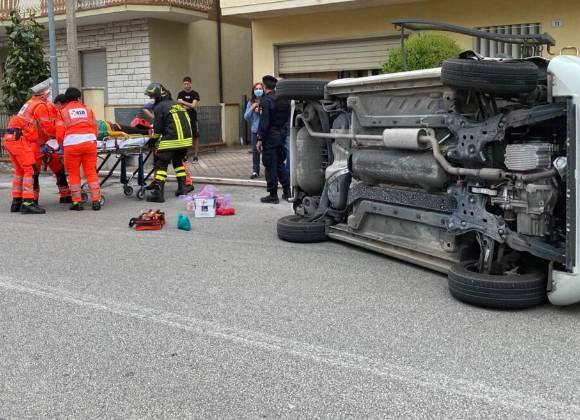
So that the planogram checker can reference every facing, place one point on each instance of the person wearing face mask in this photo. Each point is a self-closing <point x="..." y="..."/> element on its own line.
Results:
<point x="25" y="132"/>
<point x="144" y="120"/>
<point x="252" y="115"/>
<point x="173" y="136"/>
<point x="44" y="114"/>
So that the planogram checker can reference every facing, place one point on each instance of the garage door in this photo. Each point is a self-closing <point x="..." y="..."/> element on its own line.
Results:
<point x="360" y="54"/>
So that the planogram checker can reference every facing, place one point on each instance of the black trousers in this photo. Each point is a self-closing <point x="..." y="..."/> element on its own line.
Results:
<point x="273" y="158"/>
<point x="162" y="160"/>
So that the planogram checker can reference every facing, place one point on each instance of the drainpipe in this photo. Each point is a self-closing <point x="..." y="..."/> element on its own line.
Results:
<point x="219" y="40"/>
<point x="52" y="49"/>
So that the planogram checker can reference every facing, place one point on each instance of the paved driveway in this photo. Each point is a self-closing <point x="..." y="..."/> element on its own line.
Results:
<point x="226" y="321"/>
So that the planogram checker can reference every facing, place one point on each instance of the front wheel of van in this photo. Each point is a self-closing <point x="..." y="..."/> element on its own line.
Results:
<point x="514" y="290"/>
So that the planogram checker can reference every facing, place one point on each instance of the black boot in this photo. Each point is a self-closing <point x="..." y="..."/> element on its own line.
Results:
<point x="272" y="198"/>
<point x="287" y="194"/>
<point x="77" y="207"/>
<point x="65" y="200"/>
<point x="96" y="205"/>
<point x="30" y="207"/>
<point x="16" y="205"/>
<point x="157" y="193"/>
<point x="180" y="187"/>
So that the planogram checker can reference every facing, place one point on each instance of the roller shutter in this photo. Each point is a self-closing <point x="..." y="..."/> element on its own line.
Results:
<point x="94" y="68"/>
<point x="360" y="54"/>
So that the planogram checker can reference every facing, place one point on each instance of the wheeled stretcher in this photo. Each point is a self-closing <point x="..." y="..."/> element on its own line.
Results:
<point x="121" y="149"/>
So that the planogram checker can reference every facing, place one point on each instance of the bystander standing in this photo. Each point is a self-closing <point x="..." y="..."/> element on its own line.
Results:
<point x="189" y="98"/>
<point x="252" y="115"/>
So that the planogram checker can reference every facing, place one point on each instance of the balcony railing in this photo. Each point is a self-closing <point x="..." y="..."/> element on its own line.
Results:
<point x="39" y="7"/>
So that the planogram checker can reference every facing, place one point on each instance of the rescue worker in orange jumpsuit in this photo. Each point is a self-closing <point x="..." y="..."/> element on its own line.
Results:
<point x="44" y="115"/>
<point x="20" y="128"/>
<point x="76" y="130"/>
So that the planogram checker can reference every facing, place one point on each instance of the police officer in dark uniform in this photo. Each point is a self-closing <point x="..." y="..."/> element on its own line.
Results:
<point x="173" y="136"/>
<point x="271" y="137"/>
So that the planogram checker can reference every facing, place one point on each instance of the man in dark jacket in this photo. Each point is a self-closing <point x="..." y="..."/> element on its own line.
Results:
<point x="271" y="137"/>
<point x="172" y="134"/>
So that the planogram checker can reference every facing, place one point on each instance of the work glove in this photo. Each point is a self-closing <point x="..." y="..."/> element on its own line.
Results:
<point x="152" y="142"/>
<point x="44" y="149"/>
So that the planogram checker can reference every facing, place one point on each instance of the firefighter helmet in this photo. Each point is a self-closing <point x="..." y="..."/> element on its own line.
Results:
<point x="157" y="91"/>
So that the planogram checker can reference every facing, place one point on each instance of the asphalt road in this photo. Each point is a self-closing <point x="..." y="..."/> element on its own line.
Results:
<point x="226" y="321"/>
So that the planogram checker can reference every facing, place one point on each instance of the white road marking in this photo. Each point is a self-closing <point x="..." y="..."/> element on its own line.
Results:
<point x="470" y="389"/>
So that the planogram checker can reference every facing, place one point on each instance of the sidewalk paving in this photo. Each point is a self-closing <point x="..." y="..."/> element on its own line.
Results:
<point x="214" y="165"/>
<point x="230" y="162"/>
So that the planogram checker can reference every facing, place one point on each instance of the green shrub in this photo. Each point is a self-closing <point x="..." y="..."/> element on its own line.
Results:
<point x="25" y="64"/>
<point x="424" y="51"/>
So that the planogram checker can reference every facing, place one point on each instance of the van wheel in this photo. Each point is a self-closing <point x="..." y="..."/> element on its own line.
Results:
<point x="511" y="291"/>
<point x="510" y="77"/>
<point x="301" y="89"/>
<point x="295" y="228"/>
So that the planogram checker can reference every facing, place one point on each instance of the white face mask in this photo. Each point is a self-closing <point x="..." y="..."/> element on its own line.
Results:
<point x="149" y="101"/>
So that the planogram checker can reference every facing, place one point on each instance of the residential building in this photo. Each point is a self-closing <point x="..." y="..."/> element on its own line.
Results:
<point x="346" y="38"/>
<point x="126" y="44"/>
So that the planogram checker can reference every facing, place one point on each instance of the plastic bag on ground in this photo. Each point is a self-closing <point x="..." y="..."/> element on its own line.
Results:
<point x="208" y="191"/>
<point x="183" y="222"/>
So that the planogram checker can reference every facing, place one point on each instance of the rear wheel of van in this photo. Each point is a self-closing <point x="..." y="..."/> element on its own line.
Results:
<point x="510" y="291"/>
<point x="296" y="228"/>
<point x="301" y="89"/>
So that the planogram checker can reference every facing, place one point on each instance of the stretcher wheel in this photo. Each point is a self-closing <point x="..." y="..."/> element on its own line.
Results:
<point x="140" y="193"/>
<point x="85" y="197"/>
<point x="128" y="190"/>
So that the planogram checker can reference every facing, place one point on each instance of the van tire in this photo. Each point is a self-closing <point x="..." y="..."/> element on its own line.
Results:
<point x="296" y="228"/>
<point x="514" y="291"/>
<point x="301" y="89"/>
<point x="510" y="77"/>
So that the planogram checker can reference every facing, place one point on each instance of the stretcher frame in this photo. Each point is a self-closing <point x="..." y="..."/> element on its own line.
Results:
<point x="143" y="153"/>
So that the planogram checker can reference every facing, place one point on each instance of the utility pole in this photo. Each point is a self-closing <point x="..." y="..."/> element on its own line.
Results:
<point x="52" y="48"/>
<point x="74" y="75"/>
<point x="219" y="45"/>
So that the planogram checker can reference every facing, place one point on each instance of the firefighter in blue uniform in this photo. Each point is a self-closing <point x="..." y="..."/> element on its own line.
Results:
<point x="271" y="137"/>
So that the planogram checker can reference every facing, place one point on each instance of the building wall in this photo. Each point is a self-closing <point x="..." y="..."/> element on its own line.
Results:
<point x="236" y="61"/>
<point x="169" y="53"/>
<point x="127" y="50"/>
<point x="141" y="51"/>
<point x="357" y="23"/>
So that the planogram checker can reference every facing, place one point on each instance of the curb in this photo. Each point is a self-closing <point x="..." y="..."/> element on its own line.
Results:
<point x="210" y="180"/>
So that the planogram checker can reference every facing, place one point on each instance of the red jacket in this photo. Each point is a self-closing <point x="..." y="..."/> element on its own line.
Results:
<point x="76" y="124"/>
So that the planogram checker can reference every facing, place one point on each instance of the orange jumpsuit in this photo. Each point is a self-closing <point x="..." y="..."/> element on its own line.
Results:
<point x="42" y="115"/>
<point x="55" y="162"/>
<point x="76" y="130"/>
<point x="20" y="127"/>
